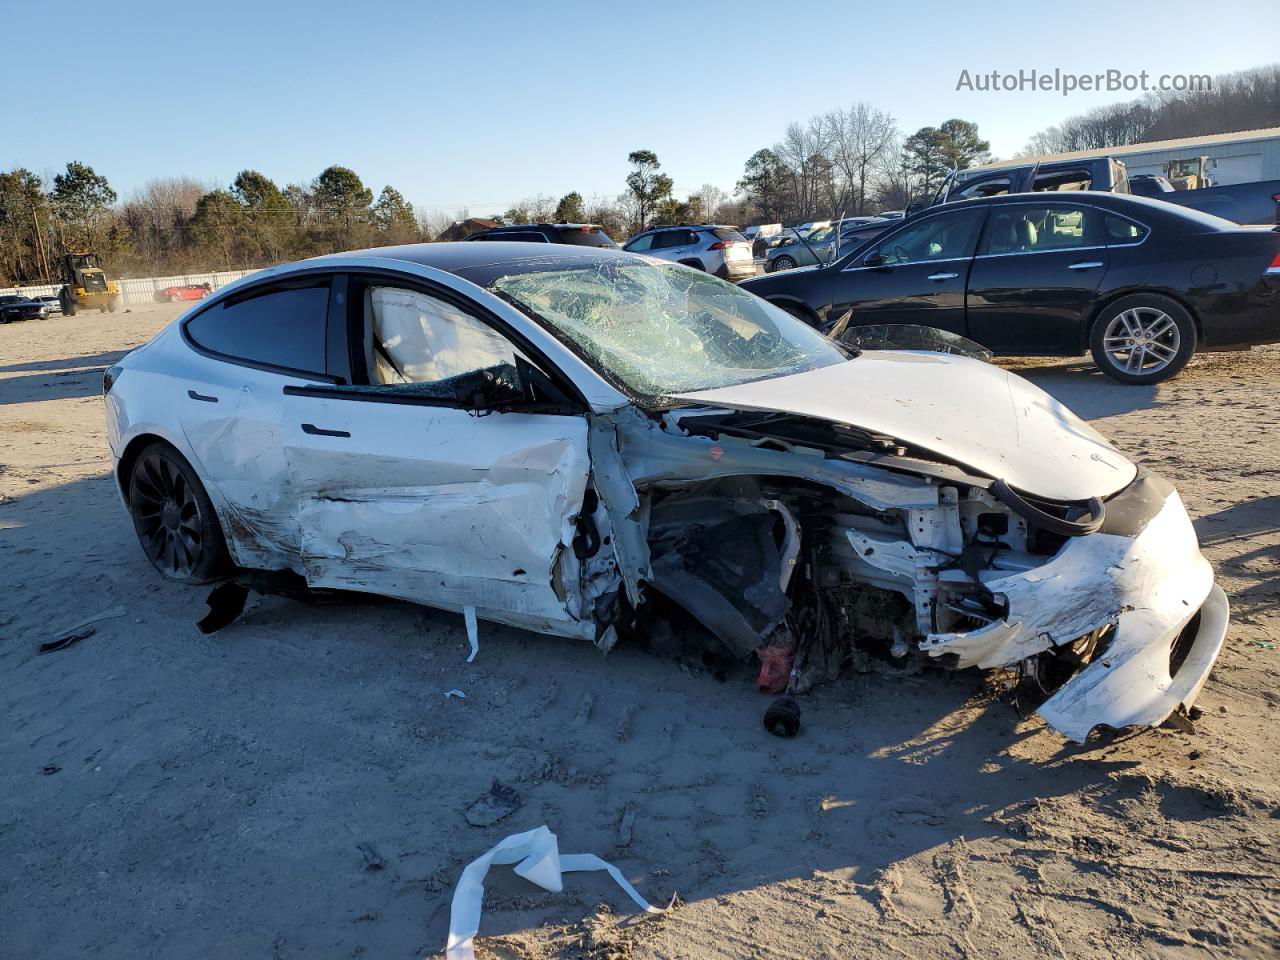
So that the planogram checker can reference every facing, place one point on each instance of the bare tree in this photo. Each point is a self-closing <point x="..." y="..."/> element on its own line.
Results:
<point x="861" y="136"/>
<point x="804" y="151"/>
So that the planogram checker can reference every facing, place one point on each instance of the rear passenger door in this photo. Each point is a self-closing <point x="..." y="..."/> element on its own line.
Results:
<point x="450" y="473"/>
<point x="1036" y="277"/>
<point x="676" y="244"/>
<point x="230" y="403"/>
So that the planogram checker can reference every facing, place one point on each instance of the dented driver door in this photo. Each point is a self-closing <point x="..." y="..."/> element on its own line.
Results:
<point x="436" y="505"/>
<point x="444" y="475"/>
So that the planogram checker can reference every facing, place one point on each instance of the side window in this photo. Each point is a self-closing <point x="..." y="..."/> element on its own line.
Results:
<point x="1028" y="228"/>
<point x="946" y="237"/>
<point x="995" y="187"/>
<point x="429" y="347"/>
<point x="1063" y="180"/>
<point x="666" y="238"/>
<point x="1121" y="231"/>
<point x="640" y="244"/>
<point x="281" y="328"/>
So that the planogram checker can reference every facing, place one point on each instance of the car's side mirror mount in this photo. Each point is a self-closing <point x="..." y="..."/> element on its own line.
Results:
<point x="914" y="208"/>
<point x="873" y="259"/>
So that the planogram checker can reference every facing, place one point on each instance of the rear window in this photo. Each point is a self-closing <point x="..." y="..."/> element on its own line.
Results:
<point x="513" y="236"/>
<point x="591" y="237"/>
<point x="280" y="328"/>
<point x="725" y="233"/>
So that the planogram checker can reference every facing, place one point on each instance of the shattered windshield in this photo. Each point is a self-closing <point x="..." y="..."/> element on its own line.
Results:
<point x="664" y="329"/>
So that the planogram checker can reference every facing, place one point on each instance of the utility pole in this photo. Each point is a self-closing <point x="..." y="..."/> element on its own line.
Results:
<point x="40" y="250"/>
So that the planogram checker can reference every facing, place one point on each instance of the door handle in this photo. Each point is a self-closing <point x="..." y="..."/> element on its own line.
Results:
<point x="943" y="276"/>
<point x="315" y="431"/>
<point x="200" y="396"/>
<point x="1084" y="265"/>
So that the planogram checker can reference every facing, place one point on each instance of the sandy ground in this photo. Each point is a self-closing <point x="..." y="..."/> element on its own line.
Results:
<point x="295" y="784"/>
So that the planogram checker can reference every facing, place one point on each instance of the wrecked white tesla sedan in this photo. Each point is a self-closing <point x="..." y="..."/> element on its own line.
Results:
<point x="577" y="441"/>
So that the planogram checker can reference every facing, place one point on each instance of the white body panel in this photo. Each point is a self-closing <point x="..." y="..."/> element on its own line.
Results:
<point x="964" y="410"/>
<point x="438" y="506"/>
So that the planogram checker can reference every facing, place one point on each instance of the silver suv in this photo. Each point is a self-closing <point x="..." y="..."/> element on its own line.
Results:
<point x="717" y="249"/>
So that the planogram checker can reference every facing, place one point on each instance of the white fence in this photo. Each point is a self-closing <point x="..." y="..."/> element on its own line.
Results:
<point x="142" y="289"/>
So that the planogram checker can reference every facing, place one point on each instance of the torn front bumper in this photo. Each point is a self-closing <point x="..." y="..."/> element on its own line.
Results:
<point x="1149" y="585"/>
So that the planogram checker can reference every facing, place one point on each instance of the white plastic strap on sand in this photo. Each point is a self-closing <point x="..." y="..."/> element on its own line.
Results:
<point x="537" y="858"/>
<point x="473" y="633"/>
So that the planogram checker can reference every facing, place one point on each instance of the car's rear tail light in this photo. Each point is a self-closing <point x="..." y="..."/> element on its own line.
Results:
<point x="1275" y="265"/>
<point x="109" y="378"/>
<point x="719" y="245"/>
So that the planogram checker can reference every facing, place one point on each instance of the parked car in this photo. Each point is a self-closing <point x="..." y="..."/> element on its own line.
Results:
<point x="821" y="246"/>
<point x="576" y="234"/>
<point x="715" y="248"/>
<point x="14" y="307"/>
<point x="1102" y="173"/>
<point x="582" y="442"/>
<point x="1140" y="283"/>
<point x="188" y="291"/>
<point x="1244" y="203"/>
<point x="50" y="302"/>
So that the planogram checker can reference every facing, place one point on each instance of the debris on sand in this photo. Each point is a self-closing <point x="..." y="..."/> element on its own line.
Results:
<point x="537" y="858"/>
<point x="79" y="631"/>
<point x="67" y="639"/>
<point x="500" y="802"/>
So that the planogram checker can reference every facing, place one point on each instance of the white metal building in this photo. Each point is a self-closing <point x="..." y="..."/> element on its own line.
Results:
<point x="1246" y="156"/>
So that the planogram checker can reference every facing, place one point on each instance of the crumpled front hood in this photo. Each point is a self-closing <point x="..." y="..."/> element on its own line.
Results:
<point x="972" y="413"/>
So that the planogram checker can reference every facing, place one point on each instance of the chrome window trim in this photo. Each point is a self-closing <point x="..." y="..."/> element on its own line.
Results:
<point x="1020" y="202"/>
<point x="910" y="263"/>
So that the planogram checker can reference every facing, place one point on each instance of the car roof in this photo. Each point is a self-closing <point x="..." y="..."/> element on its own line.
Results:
<point x="553" y="226"/>
<point x="460" y="255"/>
<point x="686" y="226"/>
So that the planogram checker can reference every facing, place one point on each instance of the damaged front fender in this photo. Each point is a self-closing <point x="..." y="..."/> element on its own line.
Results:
<point x="1148" y="587"/>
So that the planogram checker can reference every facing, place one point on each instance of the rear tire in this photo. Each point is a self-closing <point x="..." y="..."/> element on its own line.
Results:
<point x="1143" y="338"/>
<point x="174" y="518"/>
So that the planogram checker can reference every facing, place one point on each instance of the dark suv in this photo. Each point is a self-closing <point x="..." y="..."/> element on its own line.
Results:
<point x="575" y="234"/>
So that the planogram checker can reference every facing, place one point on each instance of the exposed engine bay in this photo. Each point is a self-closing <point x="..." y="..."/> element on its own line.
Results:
<point x="774" y="529"/>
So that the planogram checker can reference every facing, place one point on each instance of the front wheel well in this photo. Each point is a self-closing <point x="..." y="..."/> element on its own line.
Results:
<point x="1101" y="306"/>
<point x="801" y="311"/>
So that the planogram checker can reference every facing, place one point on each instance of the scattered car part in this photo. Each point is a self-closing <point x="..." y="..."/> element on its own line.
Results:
<point x="497" y="804"/>
<point x="67" y="639"/>
<point x="537" y="858"/>
<point x="226" y="603"/>
<point x="782" y="718"/>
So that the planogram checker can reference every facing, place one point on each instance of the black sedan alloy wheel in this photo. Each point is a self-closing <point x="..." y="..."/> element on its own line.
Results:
<point x="173" y="517"/>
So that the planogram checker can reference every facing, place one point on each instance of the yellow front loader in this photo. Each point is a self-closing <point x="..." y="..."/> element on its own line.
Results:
<point x="85" y="285"/>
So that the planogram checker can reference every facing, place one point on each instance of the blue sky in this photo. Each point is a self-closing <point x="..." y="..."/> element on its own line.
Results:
<point x="482" y="104"/>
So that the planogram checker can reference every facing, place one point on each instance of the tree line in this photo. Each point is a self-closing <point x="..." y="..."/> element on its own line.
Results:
<point x="177" y="225"/>
<point x="850" y="161"/>
<point x="1248" y="100"/>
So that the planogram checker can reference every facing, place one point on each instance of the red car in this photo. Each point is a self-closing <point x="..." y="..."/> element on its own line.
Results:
<point x="190" y="291"/>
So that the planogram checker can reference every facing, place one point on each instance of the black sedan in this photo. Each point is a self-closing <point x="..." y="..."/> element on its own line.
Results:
<point x="13" y="307"/>
<point x="1138" y="282"/>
